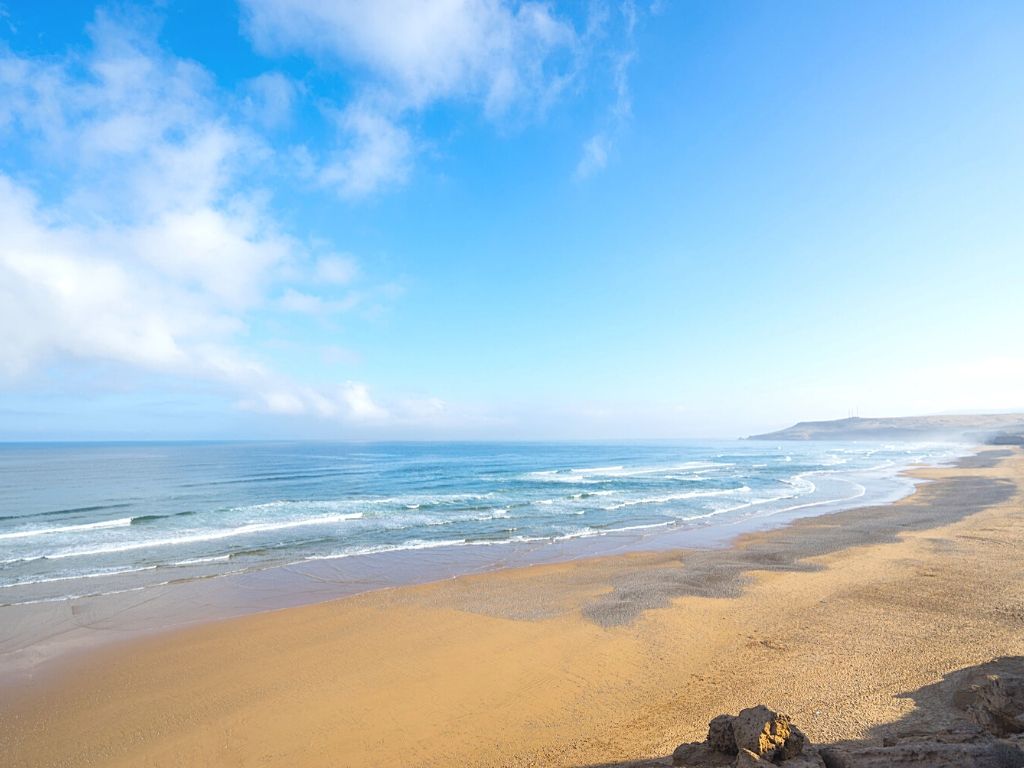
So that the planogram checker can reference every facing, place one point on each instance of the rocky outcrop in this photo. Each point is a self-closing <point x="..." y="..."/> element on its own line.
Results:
<point x="721" y="737"/>
<point x="926" y="754"/>
<point x="998" y="705"/>
<point x="757" y="736"/>
<point x="991" y="735"/>
<point x="767" y="734"/>
<point x="986" y="732"/>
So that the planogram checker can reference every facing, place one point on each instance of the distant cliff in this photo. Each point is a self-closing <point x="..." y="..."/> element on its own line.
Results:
<point x="979" y="427"/>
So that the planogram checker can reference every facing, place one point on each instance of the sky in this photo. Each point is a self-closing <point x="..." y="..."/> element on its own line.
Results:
<point x="490" y="219"/>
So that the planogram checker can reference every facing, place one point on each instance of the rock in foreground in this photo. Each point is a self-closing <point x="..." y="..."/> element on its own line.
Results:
<point x="757" y="736"/>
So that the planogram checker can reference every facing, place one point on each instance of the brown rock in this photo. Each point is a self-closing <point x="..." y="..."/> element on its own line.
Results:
<point x="720" y="735"/>
<point x="761" y="731"/>
<point x="794" y="744"/>
<point x="699" y="755"/>
<point x="809" y="758"/>
<point x="957" y="733"/>
<point x="747" y="759"/>
<point x="989" y="754"/>
<point x="998" y="705"/>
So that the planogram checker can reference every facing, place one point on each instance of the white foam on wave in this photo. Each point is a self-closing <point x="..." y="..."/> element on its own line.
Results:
<point x="656" y="470"/>
<point x="80" y="596"/>
<point x="594" y="474"/>
<point x="196" y="538"/>
<point x="611" y="470"/>
<point x="201" y="560"/>
<point x="860" y="492"/>
<point x="419" y="544"/>
<point x="617" y="529"/>
<point x="679" y="497"/>
<point x="745" y="505"/>
<point x="75" y="577"/>
<point x="803" y="487"/>
<point x="412" y="544"/>
<point x="65" y="598"/>
<point x="101" y="525"/>
<point x="801" y="484"/>
<point x="360" y="504"/>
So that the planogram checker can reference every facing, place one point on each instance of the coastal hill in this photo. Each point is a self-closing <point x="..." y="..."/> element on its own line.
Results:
<point x="996" y="427"/>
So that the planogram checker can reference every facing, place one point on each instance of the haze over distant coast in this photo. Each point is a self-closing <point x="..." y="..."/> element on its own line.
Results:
<point x="975" y="427"/>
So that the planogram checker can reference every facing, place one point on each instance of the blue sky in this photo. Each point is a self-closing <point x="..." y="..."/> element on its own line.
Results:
<point x="491" y="219"/>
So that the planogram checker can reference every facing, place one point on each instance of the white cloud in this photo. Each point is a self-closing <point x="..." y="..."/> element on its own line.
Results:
<point x="594" y="157"/>
<point x="293" y="300"/>
<point x="337" y="269"/>
<point x="136" y="238"/>
<point x="351" y="400"/>
<point x="222" y="254"/>
<point x="67" y="296"/>
<point x="622" y="107"/>
<point x="269" y="100"/>
<point x="596" y="149"/>
<point x="357" y="397"/>
<point x="423" y="50"/>
<point x="503" y="56"/>
<point x="377" y="153"/>
<point x="297" y="301"/>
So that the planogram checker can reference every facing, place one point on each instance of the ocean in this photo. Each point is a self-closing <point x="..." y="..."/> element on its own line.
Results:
<point x="82" y="520"/>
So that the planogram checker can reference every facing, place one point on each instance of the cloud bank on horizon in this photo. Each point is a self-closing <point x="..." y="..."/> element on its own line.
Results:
<point x="254" y="229"/>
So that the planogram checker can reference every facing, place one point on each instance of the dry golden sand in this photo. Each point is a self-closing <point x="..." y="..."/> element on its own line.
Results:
<point x="573" y="664"/>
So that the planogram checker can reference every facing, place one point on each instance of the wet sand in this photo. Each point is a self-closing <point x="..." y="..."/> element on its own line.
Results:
<point x="831" y="619"/>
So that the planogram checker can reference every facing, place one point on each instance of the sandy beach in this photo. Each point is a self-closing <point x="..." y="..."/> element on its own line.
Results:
<point x="838" y="620"/>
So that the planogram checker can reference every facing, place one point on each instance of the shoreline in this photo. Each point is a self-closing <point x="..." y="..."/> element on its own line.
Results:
<point x="41" y="633"/>
<point x="598" y="659"/>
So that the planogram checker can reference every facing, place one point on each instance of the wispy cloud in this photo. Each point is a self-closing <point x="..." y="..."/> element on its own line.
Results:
<point x="421" y="51"/>
<point x="376" y="153"/>
<point x="598" y="147"/>
<point x="407" y="55"/>
<point x="336" y="269"/>
<point x="351" y="400"/>
<point x="269" y="100"/>
<point x="594" y="158"/>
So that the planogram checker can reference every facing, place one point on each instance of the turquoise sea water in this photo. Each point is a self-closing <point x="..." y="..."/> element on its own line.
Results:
<point x="89" y="519"/>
